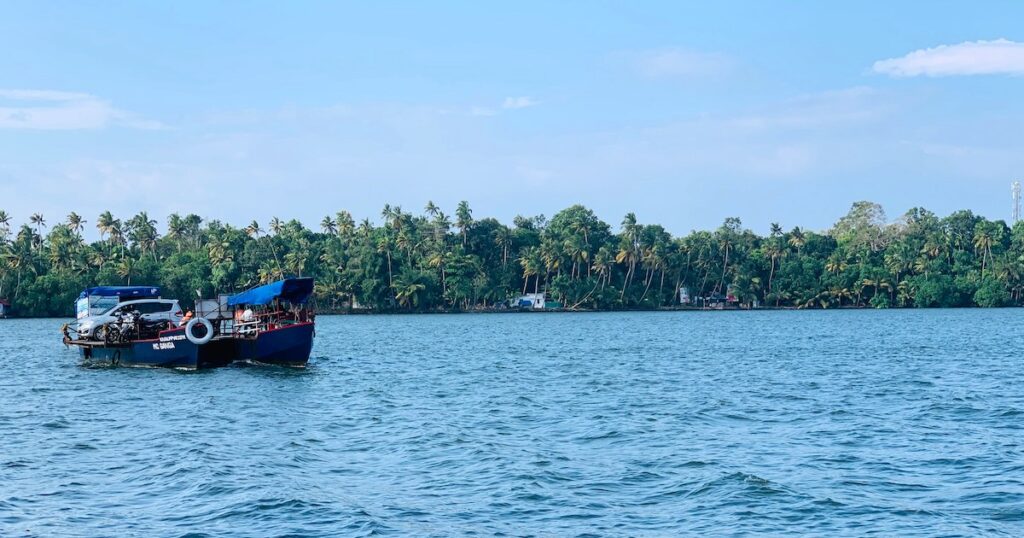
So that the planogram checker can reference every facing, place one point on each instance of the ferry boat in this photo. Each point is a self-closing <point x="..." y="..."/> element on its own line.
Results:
<point x="135" y="326"/>
<point x="269" y="324"/>
<point x="169" y="348"/>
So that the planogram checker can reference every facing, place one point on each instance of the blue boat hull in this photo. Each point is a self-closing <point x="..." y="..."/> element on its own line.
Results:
<point x="288" y="345"/>
<point x="170" y="350"/>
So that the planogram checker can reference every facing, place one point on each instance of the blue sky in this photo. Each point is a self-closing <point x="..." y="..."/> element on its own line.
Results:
<point x="683" y="113"/>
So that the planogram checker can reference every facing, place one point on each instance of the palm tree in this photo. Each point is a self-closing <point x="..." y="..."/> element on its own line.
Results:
<point x="117" y="235"/>
<point x="105" y="223"/>
<point x="932" y="247"/>
<point x="220" y="252"/>
<point x="531" y="264"/>
<point x="835" y="265"/>
<point x="18" y="257"/>
<point x="404" y="242"/>
<point x="797" y="239"/>
<point x="774" y="250"/>
<point x="875" y="283"/>
<point x="463" y="219"/>
<point x="392" y="216"/>
<point x="551" y="255"/>
<point x="253" y="230"/>
<point x="295" y="261"/>
<point x="983" y="241"/>
<point x="365" y="228"/>
<point x="725" y="244"/>
<point x="38" y="220"/>
<point x="577" y="251"/>
<point x="276" y="225"/>
<point x="654" y="260"/>
<point x="191" y="224"/>
<point x="345" y="223"/>
<point x="5" y="226"/>
<point x="384" y="246"/>
<point x="438" y="260"/>
<point x="125" y="268"/>
<point x="98" y="257"/>
<point x="142" y="232"/>
<point x="176" y="229"/>
<point x="328" y="226"/>
<point x="603" y="265"/>
<point x="503" y="239"/>
<point x="407" y="294"/>
<point x="431" y="209"/>
<point x="629" y="249"/>
<point x="441" y="226"/>
<point x="76" y="223"/>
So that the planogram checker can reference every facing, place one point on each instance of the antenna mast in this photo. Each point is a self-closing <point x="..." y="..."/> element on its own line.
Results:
<point x="1015" y="189"/>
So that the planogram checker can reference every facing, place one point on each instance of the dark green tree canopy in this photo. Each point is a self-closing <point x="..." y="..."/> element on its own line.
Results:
<point x="430" y="261"/>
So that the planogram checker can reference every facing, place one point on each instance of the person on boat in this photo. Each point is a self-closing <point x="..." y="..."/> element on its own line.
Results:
<point x="185" y="319"/>
<point x="244" y="320"/>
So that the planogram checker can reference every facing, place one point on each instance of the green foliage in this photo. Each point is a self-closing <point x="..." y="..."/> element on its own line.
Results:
<point x="992" y="293"/>
<point x="431" y="261"/>
<point x="934" y="291"/>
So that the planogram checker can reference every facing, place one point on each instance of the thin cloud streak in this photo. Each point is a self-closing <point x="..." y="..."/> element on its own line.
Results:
<point x="677" y="63"/>
<point x="998" y="57"/>
<point x="513" y="103"/>
<point x="61" y="111"/>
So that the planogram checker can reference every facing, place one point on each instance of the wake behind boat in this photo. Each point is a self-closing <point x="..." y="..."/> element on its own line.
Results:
<point x="134" y="326"/>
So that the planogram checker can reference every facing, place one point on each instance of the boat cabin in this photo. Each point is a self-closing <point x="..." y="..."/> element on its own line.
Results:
<point x="271" y="306"/>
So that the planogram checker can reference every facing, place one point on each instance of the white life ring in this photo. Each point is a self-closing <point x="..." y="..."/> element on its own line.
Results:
<point x="192" y="325"/>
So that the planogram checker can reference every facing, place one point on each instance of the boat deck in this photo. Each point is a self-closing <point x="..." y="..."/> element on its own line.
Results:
<point x="91" y="343"/>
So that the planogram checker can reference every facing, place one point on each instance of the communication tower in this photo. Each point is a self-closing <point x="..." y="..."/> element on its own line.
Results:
<point x="1015" y="189"/>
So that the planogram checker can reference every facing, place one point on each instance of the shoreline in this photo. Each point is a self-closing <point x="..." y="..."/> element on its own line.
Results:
<point x="592" y="311"/>
<point x="367" y="312"/>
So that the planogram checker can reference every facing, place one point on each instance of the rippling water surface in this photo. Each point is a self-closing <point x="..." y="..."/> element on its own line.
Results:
<point x="893" y="423"/>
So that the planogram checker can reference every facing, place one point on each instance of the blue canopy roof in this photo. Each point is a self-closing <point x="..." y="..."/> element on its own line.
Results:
<point x="293" y="290"/>
<point x="135" y="292"/>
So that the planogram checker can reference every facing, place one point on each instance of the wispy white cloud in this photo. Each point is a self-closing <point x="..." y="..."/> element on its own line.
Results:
<point x="42" y="95"/>
<point x="60" y="110"/>
<point x="519" y="102"/>
<point x="510" y="103"/>
<point x="678" y="62"/>
<point x="998" y="57"/>
<point x="807" y="155"/>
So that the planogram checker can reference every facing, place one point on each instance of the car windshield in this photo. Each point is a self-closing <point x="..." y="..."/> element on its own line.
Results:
<point x="111" y="311"/>
<point x="102" y="305"/>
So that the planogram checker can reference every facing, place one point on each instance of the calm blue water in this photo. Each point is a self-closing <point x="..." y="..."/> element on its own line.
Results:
<point x="895" y="423"/>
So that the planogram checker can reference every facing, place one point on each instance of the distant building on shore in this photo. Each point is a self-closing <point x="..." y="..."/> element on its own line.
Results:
<point x="5" y="308"/>
<point x="530" y="300"/>
<point x="535" y="301"/>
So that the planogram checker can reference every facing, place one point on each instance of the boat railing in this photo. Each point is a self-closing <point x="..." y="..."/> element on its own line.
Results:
<point x="264" y="321"/>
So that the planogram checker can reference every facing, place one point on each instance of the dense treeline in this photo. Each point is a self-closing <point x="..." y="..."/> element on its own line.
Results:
<point x="430" y="261"/>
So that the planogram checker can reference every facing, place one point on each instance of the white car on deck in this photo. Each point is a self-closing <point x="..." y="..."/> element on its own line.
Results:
<point x="151" y="310"/>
